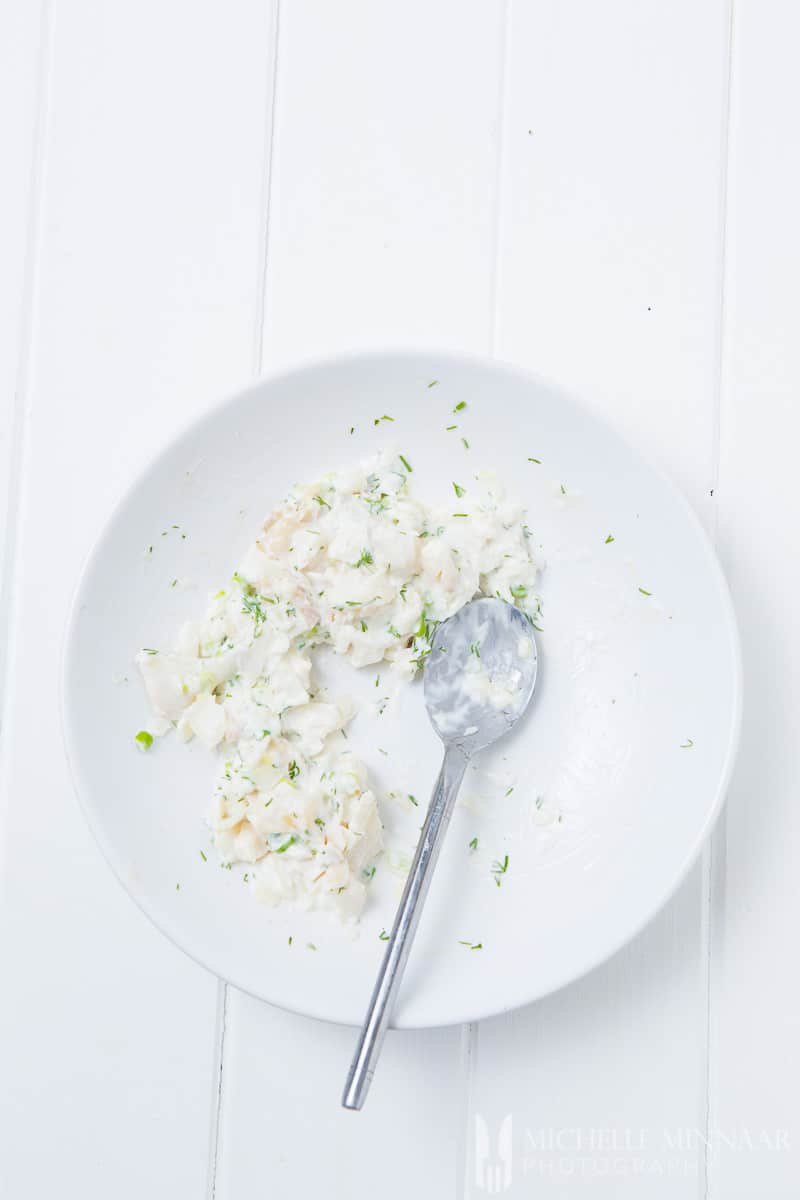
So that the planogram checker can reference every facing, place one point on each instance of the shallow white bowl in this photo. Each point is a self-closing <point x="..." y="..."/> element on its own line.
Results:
<point x="602" y="799"/>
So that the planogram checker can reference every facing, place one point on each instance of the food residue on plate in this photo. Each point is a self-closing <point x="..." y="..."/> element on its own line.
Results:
<point x="355" y="563"/>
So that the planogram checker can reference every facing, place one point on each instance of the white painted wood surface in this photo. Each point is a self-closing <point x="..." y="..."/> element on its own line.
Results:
<point x="755" y="997"/>
<point x="194" y="192"/>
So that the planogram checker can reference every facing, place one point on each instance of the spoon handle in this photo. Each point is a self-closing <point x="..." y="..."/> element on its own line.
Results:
<point x="373" y="1030"/>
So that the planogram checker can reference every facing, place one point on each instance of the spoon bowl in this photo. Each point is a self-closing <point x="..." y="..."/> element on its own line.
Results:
<point x="480" y="674"/>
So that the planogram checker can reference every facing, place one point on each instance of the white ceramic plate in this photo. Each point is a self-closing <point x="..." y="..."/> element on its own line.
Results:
<point x="618" y="772"/>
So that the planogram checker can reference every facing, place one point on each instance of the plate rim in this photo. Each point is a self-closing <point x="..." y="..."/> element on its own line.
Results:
<point x="462" y="359"/>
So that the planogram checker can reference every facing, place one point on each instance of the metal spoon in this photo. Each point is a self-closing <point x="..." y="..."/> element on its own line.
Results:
<point x="479" y="678"/>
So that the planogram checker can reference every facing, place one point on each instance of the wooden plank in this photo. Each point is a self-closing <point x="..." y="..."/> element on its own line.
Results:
<point x="754" y="1114"/>
<point x="610" y="243"/>
<point x="281" y="1089"/>
<point x="609" y="281"/>
<point x="145" y="298"/>
<point x="381" y="232"/>
<point x="383" y="204"/>
<point x="24" y="57"/>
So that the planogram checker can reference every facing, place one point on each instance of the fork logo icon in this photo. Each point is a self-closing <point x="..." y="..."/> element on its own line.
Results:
<point x="493" y="1170"/>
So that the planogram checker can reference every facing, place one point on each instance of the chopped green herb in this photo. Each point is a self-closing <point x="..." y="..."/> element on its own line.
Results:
<point x="460" y="514"/>
<point x="519" y="591"/>
<point x="448" y="428"/>
<point x="289" y="842"/>
<point x="311" y="946"/>
<point x="146" y="650"/>
<point x="459" y="490"/>
<point x="473" y="844"/>
<point x="405" y="463"/>
<point x="475" y="648"/>
<point x="383" y="935"/>
<point x="366" y="559"/>
<point x="687" y="745"/>
<point x="609" y="539"/>
<point x="645" y="592"/>
<point x="320" y="501"/>
<point x="535" y="460"/>
<point x="465" y="443"/>
<point x="433" y="383"/>
<point x="174" y="583"/>
<point x="290" y="941"/>
<point x="203" y="856"/>
<point x="563" y="490"/>
<point x="413" y="800"/>
<point x="369" y="872"/>
<point x="378" y="420"/>
<point x="471" y="945"/>
<point x="461" y="404"/>
<point x="499" y="869"/>
<point x="363" y="626"/>
<point x="352" y="429"/>
<point x="294" y="770"/>
<point x="510" y="790"/>
<point x="251" y="604"/>
<point x="144" y="739"/>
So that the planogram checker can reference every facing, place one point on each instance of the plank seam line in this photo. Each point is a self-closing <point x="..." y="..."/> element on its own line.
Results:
<point x="257" y="364"/>
<point x="722" y="272"/>
<point x="470" y="1033"/>
<point x="500" y="171"/>
<point x="17" y="452"/>
<point x="714" y="880"/>
<point x="266" y="194"/>
<point x="469" y="1058"/>
<point x="216" y="1107"/>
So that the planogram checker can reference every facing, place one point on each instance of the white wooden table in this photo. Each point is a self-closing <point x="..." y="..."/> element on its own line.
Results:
<point x="193" y="192"/>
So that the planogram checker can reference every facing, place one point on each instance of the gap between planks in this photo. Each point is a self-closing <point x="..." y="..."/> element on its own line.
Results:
<point x="714" y="854"/>
<point x="470" y="1034"/>
<point x="257" y="364"/>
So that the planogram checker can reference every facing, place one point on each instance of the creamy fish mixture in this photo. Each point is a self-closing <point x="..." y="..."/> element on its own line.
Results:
<point x="355" y="563"/>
